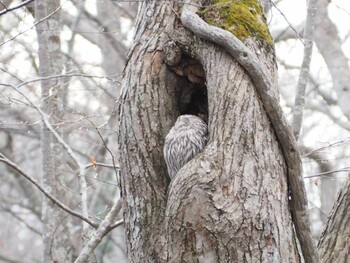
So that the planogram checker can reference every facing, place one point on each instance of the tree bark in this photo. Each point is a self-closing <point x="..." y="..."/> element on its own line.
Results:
<point x="330" y="47"/>
<point x="228" y="204"/>
<point x="334" y="243"/>
<point x="231" y="204"/>
<point x="147" y="112"/>
<point x="56" y="239"/>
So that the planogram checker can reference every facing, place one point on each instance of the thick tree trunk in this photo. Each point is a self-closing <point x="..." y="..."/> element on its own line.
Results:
<point x="230" y="203"/>
<point x="147" y="111"/>
<point x="56" y="239"/>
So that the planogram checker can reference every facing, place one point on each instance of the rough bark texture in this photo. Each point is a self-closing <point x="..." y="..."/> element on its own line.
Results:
<point x="147" y="113"/>
<point x="265" y="88"/>
<point x="334" y="245"/>
<point x="56" y="239"/>
<point x="230" y="203"/>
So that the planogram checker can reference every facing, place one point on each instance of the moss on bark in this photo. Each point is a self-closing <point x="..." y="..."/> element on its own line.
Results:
<point x="243" y="18"/>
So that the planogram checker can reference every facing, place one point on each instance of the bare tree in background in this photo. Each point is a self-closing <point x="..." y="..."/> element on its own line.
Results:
<point x="77" y="137"/>
<point x="56" y="238"/>
<point x="232" y="197"/>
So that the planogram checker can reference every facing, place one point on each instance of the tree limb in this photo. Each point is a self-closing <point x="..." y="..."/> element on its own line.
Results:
<point x="4" y="159"/>
<point x="30" y="28"/>
<point x="103" y="229"/>
<point x="6" y="10"/>
<point x="305" y="67"/>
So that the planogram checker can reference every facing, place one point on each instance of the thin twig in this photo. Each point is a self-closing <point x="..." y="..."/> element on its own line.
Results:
<point x="70" y="74"/>
<point x="6" y="10"/>
<point x="109" y="151"/>
<point x="334" y="144"/>
<point x="286" y="19"/>
<point x="34" y="25"/>
<point x="34" y="230"/>
<point x="4" y="159"/>
<point x="87" y="166"/>
<point x="45" y="118"/>
<point x="345" y="169"/>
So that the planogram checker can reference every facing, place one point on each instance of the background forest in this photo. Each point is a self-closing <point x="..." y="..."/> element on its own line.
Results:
<point x="94" y="37"/>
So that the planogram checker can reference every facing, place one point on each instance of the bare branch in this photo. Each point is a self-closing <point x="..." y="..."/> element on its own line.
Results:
<point x="84" y="197"/>
<point x="342" y="170"/>
<point x="109" y="151"/>
<point x="67" y="75"/>
<point x="34" y="25"/>
<point x="45" y="118"/>
<point x="82" y="181"/>
<point x="4" y="159"/>
<point x="292" y="31"/>
<point x="330" y="45"/>
<point x="103" y="229"/>
<point x="33" y="229"/>
<point x="305" y="67"/>
<point x="6" y="10"/>
<point x="337" y="143"/>
<point x="326" y="110"/>
<point x="102" y="165"/>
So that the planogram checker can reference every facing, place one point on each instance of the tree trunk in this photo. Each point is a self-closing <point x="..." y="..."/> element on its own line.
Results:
<point x="228" y="204"/>
<point x="147" y="111"/>
<point x="334" y="243"/>
<point x="330" y="46"/>
<point x="231" y="204"/>
<point x="56" y="239"/>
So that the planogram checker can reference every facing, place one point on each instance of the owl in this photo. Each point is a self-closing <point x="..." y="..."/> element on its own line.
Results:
<point x="185" y="140"/>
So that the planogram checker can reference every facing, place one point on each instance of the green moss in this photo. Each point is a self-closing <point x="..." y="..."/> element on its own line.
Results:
<point x="243" y="18"/>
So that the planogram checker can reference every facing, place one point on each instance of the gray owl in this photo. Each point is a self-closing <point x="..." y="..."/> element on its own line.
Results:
<point x="185" y="140"/>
